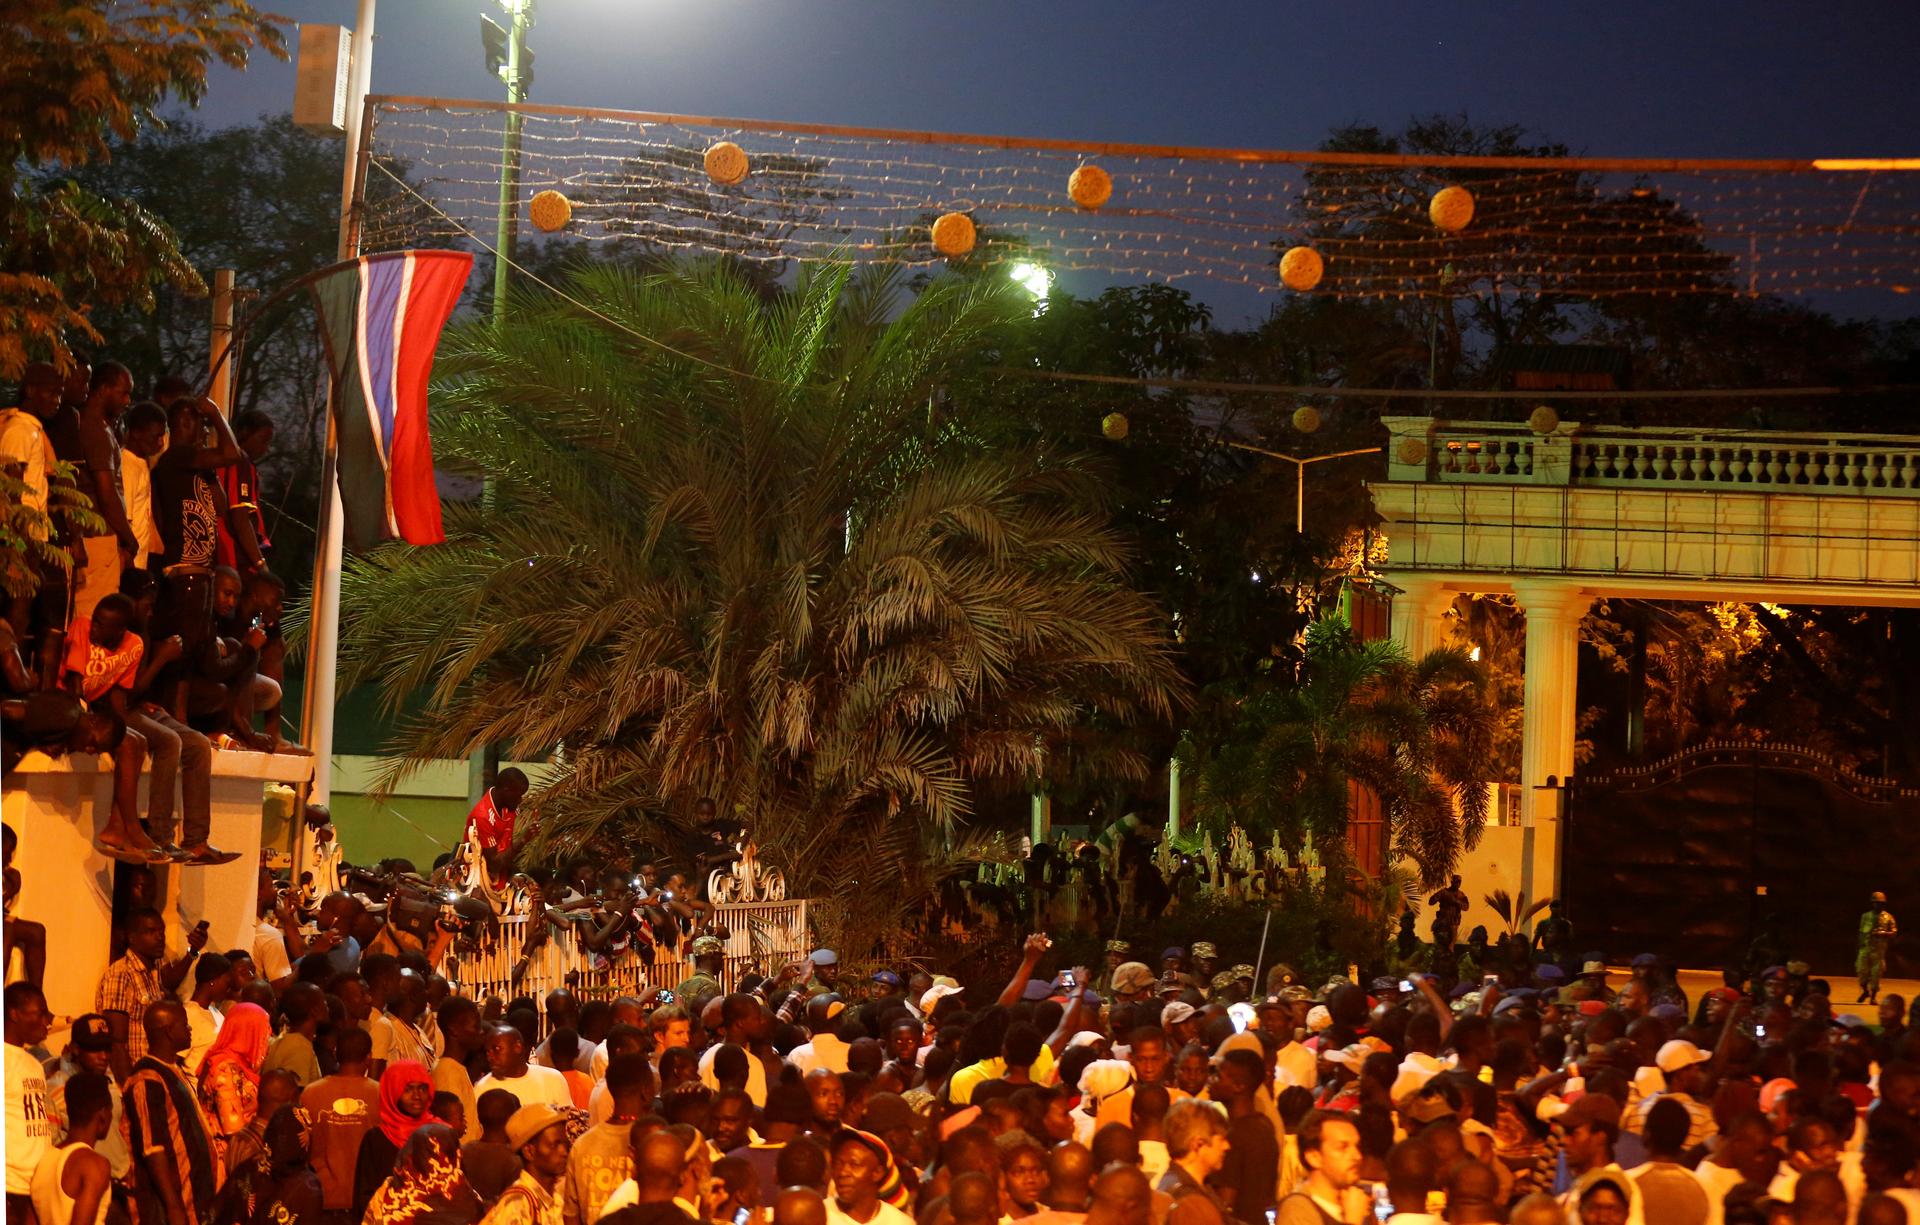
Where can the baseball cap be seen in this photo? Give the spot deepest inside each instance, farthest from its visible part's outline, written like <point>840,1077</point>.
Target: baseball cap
<point>1117,946</point>
<point>1203,948</point>
<point>706,946</point>
<point>1242,972</point>
<point>529,1121</point>
<point>90,1033</point>
<point>1550,975</point>
<point>1173,950</point>
<point>1678,1054</point>
<point>1645,961</point>
<point>1037,989</point>
<point>1174,1013</point>
<point>824,957</point>
<point>934,994</point>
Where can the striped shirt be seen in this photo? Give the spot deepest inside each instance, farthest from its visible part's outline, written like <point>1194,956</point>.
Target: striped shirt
<point>128,986</point>
<point>163,1117</point>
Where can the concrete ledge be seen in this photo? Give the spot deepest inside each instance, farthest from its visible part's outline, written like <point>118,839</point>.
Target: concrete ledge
<point>58,807</point>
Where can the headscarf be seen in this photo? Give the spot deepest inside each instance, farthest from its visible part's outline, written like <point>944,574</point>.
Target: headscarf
<point>242,1041</point>
<point>427,1186</point>
<point>396,1124</point>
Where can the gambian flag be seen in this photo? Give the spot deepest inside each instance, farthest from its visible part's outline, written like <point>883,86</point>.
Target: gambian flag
<point>381,316</point>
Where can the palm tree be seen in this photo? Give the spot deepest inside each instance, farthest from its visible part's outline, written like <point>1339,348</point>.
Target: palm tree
<point>723,557</point>
<point>1415,732</point>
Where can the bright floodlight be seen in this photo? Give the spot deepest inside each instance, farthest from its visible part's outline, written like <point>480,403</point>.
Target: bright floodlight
<point>1033,278</point>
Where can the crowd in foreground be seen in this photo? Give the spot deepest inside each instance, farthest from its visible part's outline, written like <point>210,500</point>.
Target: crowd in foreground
<point>152,627</point>
<point>346,1080</point>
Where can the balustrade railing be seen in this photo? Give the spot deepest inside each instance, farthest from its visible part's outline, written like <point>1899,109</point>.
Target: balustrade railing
<point>1428,449</point>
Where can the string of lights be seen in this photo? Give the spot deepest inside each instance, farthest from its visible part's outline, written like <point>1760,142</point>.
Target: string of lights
<point>1347,226</point>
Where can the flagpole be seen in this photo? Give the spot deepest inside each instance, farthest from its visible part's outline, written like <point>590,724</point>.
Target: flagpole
<point>323,632</point>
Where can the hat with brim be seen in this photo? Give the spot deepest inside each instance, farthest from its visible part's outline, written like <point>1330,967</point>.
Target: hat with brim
<point>1678,1054</point>
<point>1037,989</point>
<point>1590,968</point>
<point>529,1121</point>
<point>934,994</point>
<point>1131,978</point>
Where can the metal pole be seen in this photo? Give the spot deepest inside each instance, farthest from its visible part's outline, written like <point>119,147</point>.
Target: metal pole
<point>1299,497</point>
<point>316,716</point>
<point>484,766</point>
<point>221,391</point>
<point>509,219</point>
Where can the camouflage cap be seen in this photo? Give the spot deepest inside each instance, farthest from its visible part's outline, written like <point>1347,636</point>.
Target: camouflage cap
<point>707,946</point>
<point>1117,946</point>
<point>1242,972</point>
<point>1202,950</point>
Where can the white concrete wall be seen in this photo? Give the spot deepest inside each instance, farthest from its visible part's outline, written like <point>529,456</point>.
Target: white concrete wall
<point>58,807</point>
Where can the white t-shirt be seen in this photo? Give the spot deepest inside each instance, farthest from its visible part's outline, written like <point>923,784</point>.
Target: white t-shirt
<point>537,1085</point>
<point>888,1215</point>
<point>1716,1180</point>
<point>756,1075</point>
<point>136,492</point>
<point>204,1024</point>
<point>29,1125</point>
<point>270,952</point>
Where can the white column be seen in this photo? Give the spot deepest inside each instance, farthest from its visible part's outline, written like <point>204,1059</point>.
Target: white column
<point>1417,612</point>
<point>1553,611</point>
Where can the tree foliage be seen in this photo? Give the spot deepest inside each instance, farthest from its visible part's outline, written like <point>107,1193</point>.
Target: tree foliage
<point>76,75</point>
<point>743,569</point>
<point>1414,732</point>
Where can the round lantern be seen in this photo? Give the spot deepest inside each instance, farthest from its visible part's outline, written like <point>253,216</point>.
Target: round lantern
<point>1090,187</point>
<point>726,163</point>
<point>1301,268</point>
<point>550,211</point>
<point>953,234</point>
<point>1543,420</point>
<point>1306,418</point>
<point>1411,451</point>
<point>1451,208</point>
<point>1114,426</point>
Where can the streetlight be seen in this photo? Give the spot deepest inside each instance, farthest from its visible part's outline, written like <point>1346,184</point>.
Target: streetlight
<point>1300,475</point>
<point>1036,279</point>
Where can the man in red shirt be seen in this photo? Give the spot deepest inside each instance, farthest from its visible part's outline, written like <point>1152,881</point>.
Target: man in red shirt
<point>490,824</point>
<point>242,541</point>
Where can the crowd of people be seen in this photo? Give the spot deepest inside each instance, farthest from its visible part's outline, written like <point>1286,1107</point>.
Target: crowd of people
<point>337,1075</point>
<point>159,639</point>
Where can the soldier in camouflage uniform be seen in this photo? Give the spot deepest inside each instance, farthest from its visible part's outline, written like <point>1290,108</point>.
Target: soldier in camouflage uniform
<point>1877,930</point>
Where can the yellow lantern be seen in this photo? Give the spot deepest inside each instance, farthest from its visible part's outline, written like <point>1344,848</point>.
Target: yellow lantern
<point>726,163</point>
<point>549,211</point>
<point>1451,209</point>
<point>1543,420</point>
<point>1114,426</point>
<point>953,235</point>
<point>1301,268</point>
<point>1090,187</point>
<point>1306,418</point>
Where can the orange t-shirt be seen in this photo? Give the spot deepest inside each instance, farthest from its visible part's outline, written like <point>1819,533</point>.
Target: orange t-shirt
<point>101,669</point>
<point>582,1086</point>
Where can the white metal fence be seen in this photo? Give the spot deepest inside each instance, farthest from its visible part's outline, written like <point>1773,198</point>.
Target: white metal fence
<point>762,936</point>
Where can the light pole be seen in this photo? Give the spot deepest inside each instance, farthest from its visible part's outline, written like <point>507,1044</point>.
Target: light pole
<point>508,58</point>
<point>1300,475</point>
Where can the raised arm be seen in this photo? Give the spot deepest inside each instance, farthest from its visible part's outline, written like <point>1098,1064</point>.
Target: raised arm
<point>1030,954</point>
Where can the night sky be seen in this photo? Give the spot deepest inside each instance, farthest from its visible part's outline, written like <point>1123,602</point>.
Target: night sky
<point>1626,79</point>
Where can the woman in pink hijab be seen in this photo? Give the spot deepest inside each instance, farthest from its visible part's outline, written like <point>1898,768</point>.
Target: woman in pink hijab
<point>230,1074</point>
<point>405,1093</point>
